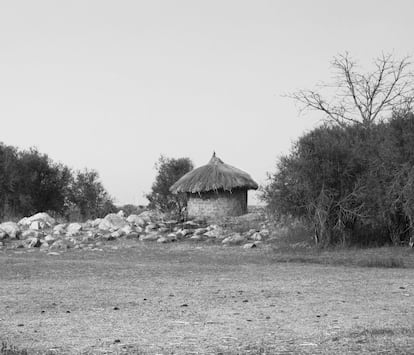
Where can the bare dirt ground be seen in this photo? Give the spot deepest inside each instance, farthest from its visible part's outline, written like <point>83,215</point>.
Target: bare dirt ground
<point>192,299</point>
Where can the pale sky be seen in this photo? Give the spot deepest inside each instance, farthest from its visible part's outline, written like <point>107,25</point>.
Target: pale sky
<point>112,85</point>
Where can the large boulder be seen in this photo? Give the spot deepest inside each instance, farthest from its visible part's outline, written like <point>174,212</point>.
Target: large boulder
<point>33,242</point>
<point>73,229</point>
<point>112,221</point>
<point>10,229</point>
<point>42,217</point>
<point>136,220</point>
<point>28,233</point>
<point>59,229</point>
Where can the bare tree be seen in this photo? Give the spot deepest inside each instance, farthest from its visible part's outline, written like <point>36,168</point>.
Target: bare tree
<point>362,98</point>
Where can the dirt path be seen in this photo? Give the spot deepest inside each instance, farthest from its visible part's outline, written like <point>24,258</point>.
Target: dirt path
<point>169,299</point>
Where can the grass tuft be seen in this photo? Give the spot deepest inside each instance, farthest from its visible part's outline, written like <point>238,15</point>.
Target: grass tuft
<point>9,349</point>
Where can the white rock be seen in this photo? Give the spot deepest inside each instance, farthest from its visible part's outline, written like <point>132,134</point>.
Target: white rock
<point>33,243</point>
<point>200,231</point>
<point>95,222</point>
<point>117,234</point>
<point>256,236</point>
<point>37,225</point>
<point>196,237</point>
<point>215,233</point>
<point>233,239</point>
<point>112,221</point>
<point>73,229</point>
<point>53,253</point>
<point>149,237</point>
<point>29,233</point>
<point>136,220</point>
<point>42,217</point>
<point>121,214</point>
<point>163,240</point>
<point>11,229</point>
<point>126,230</point>
<point>49,239</point>
<point>59,228</point>
<point>264,233</point>
<point>249,246</point>
<point>59,245</point>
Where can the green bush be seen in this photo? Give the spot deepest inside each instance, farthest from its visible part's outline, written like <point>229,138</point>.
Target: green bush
<point>353,185</point>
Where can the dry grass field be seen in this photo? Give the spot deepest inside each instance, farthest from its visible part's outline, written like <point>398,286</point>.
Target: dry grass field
<point>201,299</point>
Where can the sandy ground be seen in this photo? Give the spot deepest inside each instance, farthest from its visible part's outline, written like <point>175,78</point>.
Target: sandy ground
<point>183,299</point>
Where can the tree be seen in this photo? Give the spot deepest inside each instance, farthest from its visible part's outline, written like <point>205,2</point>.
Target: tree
<point>352,185</point>
<point>169,170</point>
<point>42,184</point>
<point>362,98</point>
<point>89,196</point>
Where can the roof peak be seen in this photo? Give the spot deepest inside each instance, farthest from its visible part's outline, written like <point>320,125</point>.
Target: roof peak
<point>215,160</point>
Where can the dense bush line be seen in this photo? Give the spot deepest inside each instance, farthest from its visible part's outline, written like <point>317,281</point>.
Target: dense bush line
<point>353,184</point>
<point>31,182</point>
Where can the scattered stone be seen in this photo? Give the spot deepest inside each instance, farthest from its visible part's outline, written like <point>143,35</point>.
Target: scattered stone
<point>126,230</point>
<point>59,228</point>
<point>121,214</point>
<point>190,225</point>
<point>136,220</point>
<point>73,229</point>
<point>149,237</point>
<point>133,235</point>
<point>37,225</point>
<point>236,238</point>
<point>200,231</point>
<point>117,234</point>
<point>53,253</point>
<point>196,237</point>
<point>151,227</point>
<point>256,236</point>
<point>249,246</point>
<point>108,237</point>
<point>184,232</point>
<point>44,246</point>
<point>41,216</point>
<point>49,239</point>
<point>33,243</point>
<point>112,221</point>
<point>95,223</point>
<point>163,240</point>
<point>264,233</point>
<point>58,245</point>
<point>10,229</point>
<point>215,233</point>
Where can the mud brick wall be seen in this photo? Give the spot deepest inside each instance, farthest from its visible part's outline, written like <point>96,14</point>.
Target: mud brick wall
<point>217,204</point>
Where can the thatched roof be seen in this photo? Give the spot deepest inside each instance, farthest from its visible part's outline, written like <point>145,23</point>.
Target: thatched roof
<point>213,176</point>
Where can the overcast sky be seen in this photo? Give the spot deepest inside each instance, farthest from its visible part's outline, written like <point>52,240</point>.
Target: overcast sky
<point>112,85</point>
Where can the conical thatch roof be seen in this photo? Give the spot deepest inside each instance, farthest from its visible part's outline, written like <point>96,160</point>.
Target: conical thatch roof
<point>213,176</point>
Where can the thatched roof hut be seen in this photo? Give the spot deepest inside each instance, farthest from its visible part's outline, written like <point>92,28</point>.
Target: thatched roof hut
<point>215,189</point>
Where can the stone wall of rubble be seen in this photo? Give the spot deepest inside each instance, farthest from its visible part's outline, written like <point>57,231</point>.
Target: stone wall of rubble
<point>43,232</point>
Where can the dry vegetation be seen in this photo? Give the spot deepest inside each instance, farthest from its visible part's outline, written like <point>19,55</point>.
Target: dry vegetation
<point>193,298</point>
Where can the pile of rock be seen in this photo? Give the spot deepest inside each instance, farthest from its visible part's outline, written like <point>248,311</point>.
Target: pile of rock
<point>41,231</point>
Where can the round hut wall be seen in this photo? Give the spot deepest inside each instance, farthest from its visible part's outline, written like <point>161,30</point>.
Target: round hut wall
<point>217,203</point>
